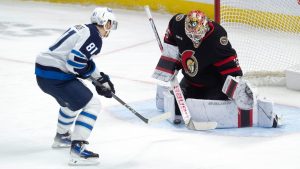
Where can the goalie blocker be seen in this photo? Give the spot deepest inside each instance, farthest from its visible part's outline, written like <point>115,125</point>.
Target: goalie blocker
<point>241,111</point>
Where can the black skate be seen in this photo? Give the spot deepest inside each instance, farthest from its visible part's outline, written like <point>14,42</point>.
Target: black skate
<point>62,140</point>
<point>81,156</point>
<point>277,122</point>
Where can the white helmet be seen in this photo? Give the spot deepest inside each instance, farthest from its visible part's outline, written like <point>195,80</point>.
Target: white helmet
<point>103,15</point>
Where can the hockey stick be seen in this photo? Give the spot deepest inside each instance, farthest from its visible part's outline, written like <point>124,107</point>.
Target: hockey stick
<point>178,92</point>
<point>154,119</point>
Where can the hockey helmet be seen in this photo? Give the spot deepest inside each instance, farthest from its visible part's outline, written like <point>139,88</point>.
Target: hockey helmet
<point>196,25</point>
<point>102,16</point>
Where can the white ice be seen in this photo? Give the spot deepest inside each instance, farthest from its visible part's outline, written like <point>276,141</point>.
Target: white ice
<point>129,55</point>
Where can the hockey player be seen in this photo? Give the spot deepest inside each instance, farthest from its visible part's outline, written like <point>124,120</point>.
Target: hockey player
<point>58,72</point>
<point>200,48</point>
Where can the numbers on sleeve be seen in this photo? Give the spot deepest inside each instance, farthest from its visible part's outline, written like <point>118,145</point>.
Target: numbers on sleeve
<point>91,48</point>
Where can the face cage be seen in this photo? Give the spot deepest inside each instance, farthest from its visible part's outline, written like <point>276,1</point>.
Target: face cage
<point>113,25</point>
<point>194,35</point>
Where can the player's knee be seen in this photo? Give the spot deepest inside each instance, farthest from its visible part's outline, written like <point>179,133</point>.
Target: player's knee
<point>68,112</point>
<point>93,106</point>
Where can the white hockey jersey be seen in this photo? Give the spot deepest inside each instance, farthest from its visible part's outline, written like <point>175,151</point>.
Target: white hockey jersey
<point>71,55</point>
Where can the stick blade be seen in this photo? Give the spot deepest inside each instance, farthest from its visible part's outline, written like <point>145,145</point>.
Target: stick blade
<point>202,126</point>
<point>159,118</point>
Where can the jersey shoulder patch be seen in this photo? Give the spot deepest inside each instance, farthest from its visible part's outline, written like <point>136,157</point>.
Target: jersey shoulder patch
<point>179,17</point>
<point>79,27</point>
<point>223,40</point>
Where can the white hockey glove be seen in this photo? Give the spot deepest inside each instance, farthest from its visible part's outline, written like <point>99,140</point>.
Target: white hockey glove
<point>168,64</point>
<point>239,91</point>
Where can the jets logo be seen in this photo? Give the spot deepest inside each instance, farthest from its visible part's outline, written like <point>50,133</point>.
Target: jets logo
<point>189,62</point>
<point>78,27</point>
<point>179,17</point>
<point>224,40</point>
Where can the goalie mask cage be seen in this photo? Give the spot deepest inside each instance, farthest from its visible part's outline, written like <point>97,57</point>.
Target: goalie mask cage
<point>265,34</point>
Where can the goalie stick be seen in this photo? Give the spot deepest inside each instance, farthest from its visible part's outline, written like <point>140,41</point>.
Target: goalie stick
<point>154,119</point>
<point>186,115</point>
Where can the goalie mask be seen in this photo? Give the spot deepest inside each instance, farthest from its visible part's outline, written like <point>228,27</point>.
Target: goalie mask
<point>104,16</point>
<point>196,26</point>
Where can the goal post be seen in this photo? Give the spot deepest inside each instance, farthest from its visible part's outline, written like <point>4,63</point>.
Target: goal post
<point>265,34</point>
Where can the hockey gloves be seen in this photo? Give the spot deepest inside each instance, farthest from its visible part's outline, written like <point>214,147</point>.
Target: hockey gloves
<point>104,87</point>
<point>239,91</point>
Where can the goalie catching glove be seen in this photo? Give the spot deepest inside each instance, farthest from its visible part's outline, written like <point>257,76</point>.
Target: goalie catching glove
<point>105,87</point>
<point>239,91</point>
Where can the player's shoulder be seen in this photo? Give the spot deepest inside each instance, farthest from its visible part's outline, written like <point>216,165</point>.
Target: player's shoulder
<point>218,29</point>
<point>92,28</point>
<point>176,23</point>
<point>87,31</point>
<point>177,18</point>
<point>79,28</point>
<point>85,28</point>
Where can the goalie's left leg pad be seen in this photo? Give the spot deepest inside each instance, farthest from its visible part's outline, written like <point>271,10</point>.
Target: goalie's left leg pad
<point>239,91</point>
<point>266,115</point>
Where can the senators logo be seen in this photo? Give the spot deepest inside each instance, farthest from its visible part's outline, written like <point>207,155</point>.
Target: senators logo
<point>179,17</point>
<point>189,62</point>
<point>224,40</point>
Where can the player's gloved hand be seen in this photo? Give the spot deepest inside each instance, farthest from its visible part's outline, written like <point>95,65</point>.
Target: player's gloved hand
<point>240,91</point>
<point>105,87</point>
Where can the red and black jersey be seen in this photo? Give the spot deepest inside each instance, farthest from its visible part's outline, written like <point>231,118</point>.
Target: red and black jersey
<point>209,63</point>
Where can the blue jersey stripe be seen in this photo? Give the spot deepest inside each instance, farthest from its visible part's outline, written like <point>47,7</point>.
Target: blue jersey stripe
<point>78,53</point>
<point>74,64</point>
<point>53,74</point>
<point>79,59</point>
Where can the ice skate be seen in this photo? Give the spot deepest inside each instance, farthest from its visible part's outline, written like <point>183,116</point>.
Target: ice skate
<point>277,122</point>
<point>81,156</point>
<point>177,120</point>
<point>62,140</point>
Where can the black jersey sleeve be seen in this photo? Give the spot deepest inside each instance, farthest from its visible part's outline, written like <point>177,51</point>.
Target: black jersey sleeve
<point>226,60</point>
<point>170,32</point>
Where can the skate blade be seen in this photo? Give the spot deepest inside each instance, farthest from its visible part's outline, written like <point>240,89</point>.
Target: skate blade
<point>57,145</point>
<point>82,162</point>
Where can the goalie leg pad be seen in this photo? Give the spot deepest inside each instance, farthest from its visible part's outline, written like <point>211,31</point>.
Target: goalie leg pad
<point>245,118</point>
<point>266,115</point>
<point>224,112</point>
<point>160,89</point>
<point>169,106</point>
<point>239,91</point>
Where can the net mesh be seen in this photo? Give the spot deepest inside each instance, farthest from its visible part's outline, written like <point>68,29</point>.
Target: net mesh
<point>265,34</point>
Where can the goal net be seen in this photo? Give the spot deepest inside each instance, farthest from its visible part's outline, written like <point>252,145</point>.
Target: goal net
<point>265,34</point>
